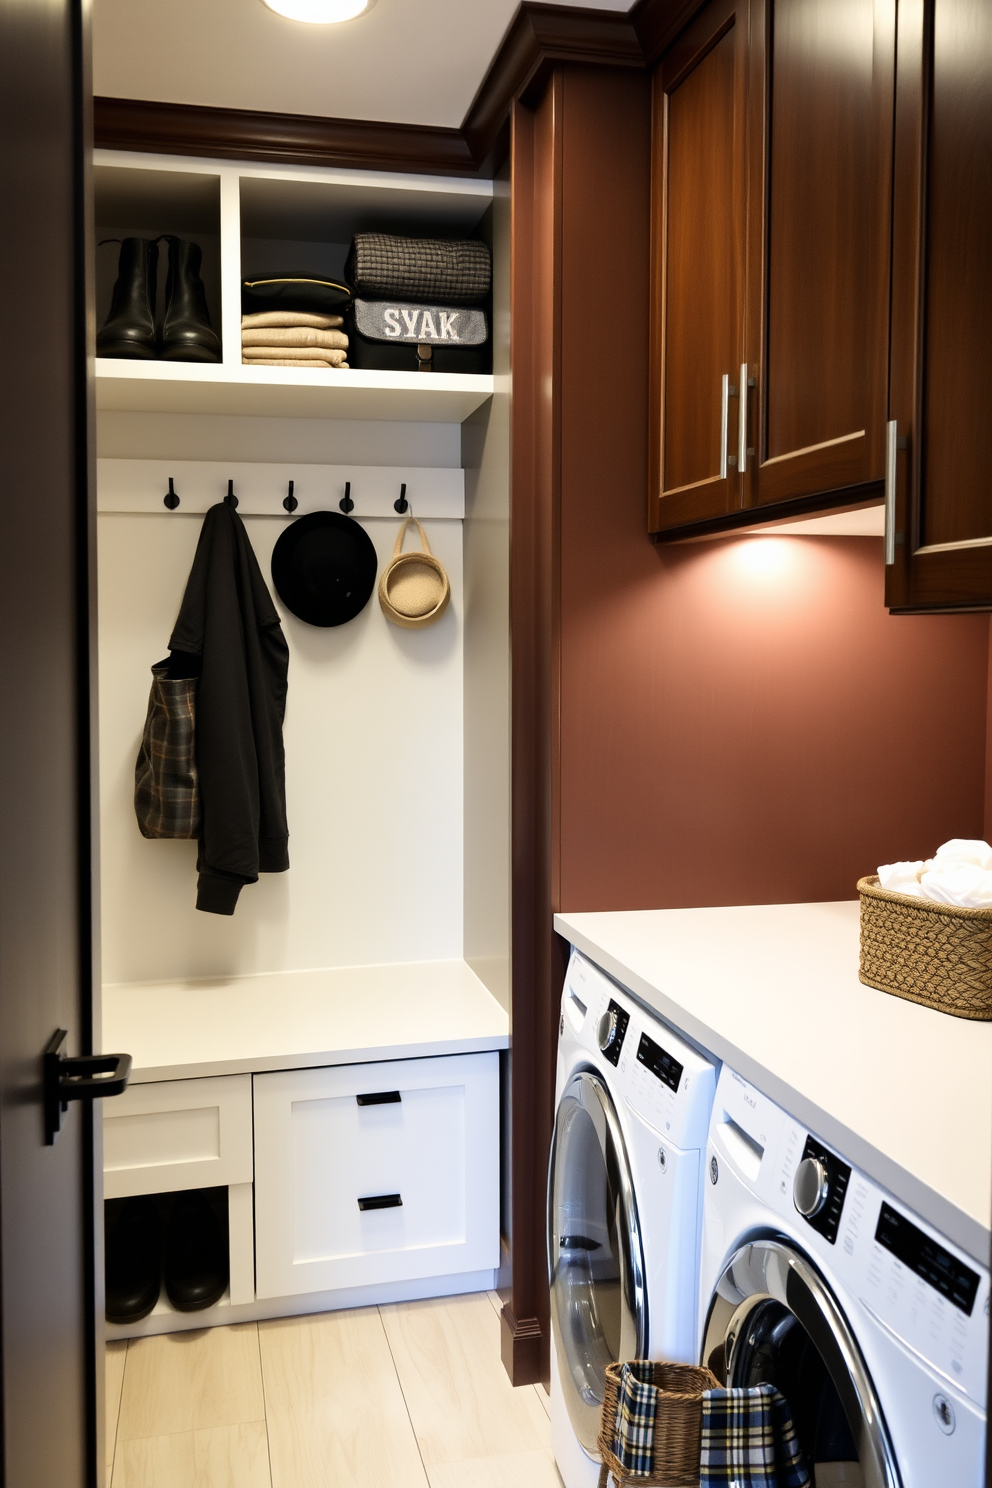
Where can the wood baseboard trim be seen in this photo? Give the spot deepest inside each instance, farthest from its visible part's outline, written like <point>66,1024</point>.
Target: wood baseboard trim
<point>521,1348</point>
<point>539,37</point>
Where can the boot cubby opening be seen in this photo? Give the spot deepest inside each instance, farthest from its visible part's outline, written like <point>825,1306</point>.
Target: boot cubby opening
<point>140,203</point>
<point>167,1253</point>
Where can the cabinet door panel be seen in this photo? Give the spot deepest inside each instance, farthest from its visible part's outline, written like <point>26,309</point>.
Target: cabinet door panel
<point>820,138</point>
<point>942,304</point>
<point>376,1173</point>
<point>697,267</point>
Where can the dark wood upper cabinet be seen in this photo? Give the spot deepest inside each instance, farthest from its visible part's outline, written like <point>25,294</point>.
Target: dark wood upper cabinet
<point>820,150</point>
<point>942,306</point>
<point>771,216</point>
<point>697,301</point>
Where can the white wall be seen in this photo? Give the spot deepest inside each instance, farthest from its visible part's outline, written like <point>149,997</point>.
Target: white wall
<point>373,742</point>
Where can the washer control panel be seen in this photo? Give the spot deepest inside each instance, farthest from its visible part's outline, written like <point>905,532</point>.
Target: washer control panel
<point>612,1031</point>
<point>659,1075</point>
<point>821,1206</point>
<point>910,1279</point>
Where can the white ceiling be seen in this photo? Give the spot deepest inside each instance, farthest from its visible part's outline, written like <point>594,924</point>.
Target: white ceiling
<point>405,61</point>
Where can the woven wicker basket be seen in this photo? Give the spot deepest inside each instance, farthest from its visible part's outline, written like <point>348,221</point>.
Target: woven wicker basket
<point>936,954</point>
<point>677,1427</point>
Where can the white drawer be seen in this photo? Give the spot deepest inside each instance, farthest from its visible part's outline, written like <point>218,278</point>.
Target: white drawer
<point>177,1134</point>
<point>350,1193</point>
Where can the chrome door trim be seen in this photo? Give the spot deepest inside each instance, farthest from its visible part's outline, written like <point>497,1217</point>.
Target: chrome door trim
<point>586,1081</point>
<point>771,1270</point>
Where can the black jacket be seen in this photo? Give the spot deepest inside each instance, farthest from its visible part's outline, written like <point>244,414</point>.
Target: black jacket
<point>229,622</point>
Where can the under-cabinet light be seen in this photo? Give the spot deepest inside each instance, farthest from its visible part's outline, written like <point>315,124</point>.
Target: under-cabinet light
<point>319,12</point>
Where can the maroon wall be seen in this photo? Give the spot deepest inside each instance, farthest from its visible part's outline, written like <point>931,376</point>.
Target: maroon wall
<point>743,722</point>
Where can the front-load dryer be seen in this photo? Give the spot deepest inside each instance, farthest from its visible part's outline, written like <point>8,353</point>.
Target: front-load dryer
<point>625,1182</point>
<point>816,1280</point>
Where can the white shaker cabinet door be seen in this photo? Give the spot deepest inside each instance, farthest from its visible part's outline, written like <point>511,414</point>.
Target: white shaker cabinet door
<point>374,1173</point>
<point>174,1134</point>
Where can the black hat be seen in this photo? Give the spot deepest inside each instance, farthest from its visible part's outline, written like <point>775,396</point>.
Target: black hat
<point>324,568</point>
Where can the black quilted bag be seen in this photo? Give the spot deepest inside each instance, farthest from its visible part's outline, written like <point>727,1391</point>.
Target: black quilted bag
<point>439,270</point>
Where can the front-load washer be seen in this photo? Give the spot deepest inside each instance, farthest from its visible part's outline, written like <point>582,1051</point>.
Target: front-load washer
<point>816,1280</point>
<point>625,1186</point>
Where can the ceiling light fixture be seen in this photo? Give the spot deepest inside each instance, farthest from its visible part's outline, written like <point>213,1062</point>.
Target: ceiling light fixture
<point>319,12</point>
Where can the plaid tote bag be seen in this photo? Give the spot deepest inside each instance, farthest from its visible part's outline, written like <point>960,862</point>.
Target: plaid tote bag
<point>166,786</point>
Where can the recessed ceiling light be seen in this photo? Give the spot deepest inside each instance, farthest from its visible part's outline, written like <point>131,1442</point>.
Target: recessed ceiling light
<point>319,12</point>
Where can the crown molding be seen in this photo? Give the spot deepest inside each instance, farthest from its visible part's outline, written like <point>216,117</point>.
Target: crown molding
<point>539,38</point>
<point>286,139</point>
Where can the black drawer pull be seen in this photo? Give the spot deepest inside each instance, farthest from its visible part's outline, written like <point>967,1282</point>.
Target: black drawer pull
<point>380,1098</point>
<point>381,1201</point>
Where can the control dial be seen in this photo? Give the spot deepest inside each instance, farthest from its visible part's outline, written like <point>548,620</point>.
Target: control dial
<point>608,1029</point>
<point>811,1188</point>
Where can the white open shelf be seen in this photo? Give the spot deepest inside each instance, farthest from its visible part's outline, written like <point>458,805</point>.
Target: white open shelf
<point>298,219</point>
<point>289,392</point>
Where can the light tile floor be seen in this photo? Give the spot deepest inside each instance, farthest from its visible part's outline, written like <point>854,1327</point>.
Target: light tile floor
<point>407,1396</point>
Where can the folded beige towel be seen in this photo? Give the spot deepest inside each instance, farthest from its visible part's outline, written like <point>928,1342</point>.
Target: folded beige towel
<point>298,353</point>
<point>278,361</point>
<point>291,318</point>
<point>295,336</point>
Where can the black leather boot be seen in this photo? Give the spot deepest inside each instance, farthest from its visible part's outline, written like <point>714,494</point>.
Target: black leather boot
<point>196,1255</point>
<point>129,330</point>
<point>187,335</point>
<point>134,1262</point>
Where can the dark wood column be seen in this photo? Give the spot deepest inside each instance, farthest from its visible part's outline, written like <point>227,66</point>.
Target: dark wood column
<point>579,298</point>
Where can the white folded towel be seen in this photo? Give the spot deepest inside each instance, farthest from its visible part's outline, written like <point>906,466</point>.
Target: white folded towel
<point>964,884</point>
<point>965,850</point>
<point>902,878</point>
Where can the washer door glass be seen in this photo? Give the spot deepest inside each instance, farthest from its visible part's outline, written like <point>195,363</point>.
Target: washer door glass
<point>773,1320</point>
<point>595,1255</point>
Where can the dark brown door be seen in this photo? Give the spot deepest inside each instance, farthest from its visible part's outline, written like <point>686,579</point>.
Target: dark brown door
<point>697,270</point>
<point>48,1338</point>
<point>819,141</point>
<point>942,306</point>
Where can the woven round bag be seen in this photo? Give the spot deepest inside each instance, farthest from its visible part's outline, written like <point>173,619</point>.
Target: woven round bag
<point>414,589</point>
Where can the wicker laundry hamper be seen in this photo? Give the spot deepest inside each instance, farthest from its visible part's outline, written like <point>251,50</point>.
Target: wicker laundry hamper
<point>414,588</point>
<point>936,954</point>
<point>677,1427</point>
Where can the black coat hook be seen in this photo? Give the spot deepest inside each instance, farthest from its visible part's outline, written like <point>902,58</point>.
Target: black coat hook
<point>290,502</point>
<point>346,504</point>
<point>402,504</point>
<point>170,499</point>
<point>230,498</point>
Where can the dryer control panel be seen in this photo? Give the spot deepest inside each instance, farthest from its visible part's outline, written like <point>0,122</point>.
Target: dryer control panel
<point>659,1075</point>
<point>921,1288</point>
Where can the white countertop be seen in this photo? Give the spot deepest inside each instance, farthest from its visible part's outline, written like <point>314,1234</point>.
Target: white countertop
<point>901,1091</point>
<point>298,1019</point>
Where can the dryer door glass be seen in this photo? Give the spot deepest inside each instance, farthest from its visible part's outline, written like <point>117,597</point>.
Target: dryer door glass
<point>773,1320</point>
<point>596,1259</point>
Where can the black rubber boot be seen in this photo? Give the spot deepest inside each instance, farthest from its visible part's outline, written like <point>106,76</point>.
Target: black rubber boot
<point>134,1262</point>
<point>187,335</point>
<point>196,1256</point>
<point>129,330</point>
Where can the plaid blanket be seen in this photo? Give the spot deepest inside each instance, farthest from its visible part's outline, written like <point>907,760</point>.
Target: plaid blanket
<point>748,1439</point>
<point>633,1433</point>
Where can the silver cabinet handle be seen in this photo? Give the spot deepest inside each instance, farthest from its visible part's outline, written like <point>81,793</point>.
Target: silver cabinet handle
<point>724,416</point>
<point>891,457</point>
<point>742,429</point>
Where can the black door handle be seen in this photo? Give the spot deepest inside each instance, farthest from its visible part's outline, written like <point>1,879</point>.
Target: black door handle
<point>85,1077</point>
<point>381,1201</point>
<point>380,1098</point>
